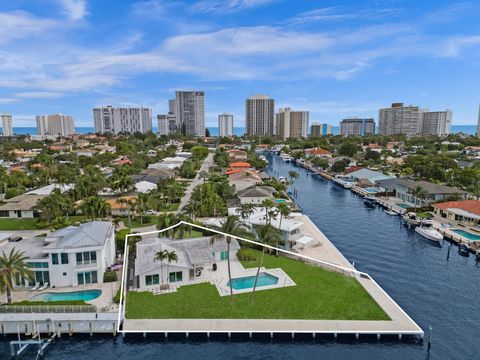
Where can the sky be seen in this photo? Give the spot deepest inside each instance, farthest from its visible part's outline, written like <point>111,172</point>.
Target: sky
<point>335,59</point>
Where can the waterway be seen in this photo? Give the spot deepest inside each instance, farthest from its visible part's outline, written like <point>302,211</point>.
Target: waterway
<point>434,291</point>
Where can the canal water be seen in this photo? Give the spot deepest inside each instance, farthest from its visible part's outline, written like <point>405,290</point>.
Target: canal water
<point>434,291</point>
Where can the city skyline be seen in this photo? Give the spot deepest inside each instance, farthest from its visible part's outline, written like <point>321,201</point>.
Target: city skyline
<point>280,48</point>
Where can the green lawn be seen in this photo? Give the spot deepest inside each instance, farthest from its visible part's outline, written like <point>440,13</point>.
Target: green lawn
<point>319,294</point>
<point>18,224</point>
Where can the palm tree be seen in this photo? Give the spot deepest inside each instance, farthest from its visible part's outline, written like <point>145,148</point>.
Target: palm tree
<point>284,210</point>
<point>293,175</point>
<point>13,266</point>
<point>94,207</point>
<point>232,226</point>
<point>161,256</point>
<point>170,257</point>
<point>418,193</point>
<point>245,210</point>
<point>267,235</point>
<point>267,204</point>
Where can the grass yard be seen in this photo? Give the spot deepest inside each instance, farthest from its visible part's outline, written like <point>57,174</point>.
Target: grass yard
<point>319,294</point>
<point>18,224</point>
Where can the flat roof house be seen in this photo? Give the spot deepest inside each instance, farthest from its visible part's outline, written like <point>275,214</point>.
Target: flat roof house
<point>71,256</point>
<point>435,192</point>
<point>196,259</point>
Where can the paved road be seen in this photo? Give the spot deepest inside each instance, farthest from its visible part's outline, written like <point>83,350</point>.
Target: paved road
<point>197,181</point>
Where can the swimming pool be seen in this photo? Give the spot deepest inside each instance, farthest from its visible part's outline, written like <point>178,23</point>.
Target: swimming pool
<point>279,201</point>
<point>264,279</point>
<point>86,295</point>
<point>371,190</point>
<point>403,205</point>
<point>467,234</point>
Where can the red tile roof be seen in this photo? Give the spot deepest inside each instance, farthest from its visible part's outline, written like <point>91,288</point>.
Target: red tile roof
<point>240,164</point>
<point>472,206</point>
<point>318,151</point>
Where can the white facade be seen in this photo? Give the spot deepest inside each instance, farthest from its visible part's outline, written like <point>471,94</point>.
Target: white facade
<point>122,120</point>
<point>7,125</point>
<point>225,125</point>
<point>190,112</point>
<point>291,124</point>
<point>259,115</point>
<point>167,124</point>
<point>56,124</point>
<point>436,123</point>
<point>357,127</point>
<point>400,119</point>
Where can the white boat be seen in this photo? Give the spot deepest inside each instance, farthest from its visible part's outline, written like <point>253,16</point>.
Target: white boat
<point>263,158</point>
<point>286,157</point>
<point>391,212</point>
<point>427,231</point>
<point>282,179</point>
<point>411,219</point>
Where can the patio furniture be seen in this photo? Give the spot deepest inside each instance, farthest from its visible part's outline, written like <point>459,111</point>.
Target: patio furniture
<point>37,284</point>
<point>45,285</point>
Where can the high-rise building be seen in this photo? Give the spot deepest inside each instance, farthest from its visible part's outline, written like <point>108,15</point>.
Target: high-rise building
<point>122,120</point>
<point>291,124</point>
<point>259,115</point>
<point>436,123</point>
<point>7,125</point>
<point>56,124</point>
<point>225,125</point>
<point>400,119</point>
<point>190,112</point>
<point>318,130</point>
<point>167,124</point>
<point>357,127</point>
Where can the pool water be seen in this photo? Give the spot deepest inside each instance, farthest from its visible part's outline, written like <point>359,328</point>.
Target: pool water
<point>371,190</point>
<point>86,295</point>
<point>279,201</point>
<point>264,279</point>
<point>467,234</point>
<point>403,205</point>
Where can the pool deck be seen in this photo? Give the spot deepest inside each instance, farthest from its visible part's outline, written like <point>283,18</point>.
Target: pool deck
<point>400,323</point>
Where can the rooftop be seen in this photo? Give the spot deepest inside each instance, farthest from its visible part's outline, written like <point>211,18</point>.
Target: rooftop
<point>470,206</point>
<point>90,234</point>
<point>257,191</point>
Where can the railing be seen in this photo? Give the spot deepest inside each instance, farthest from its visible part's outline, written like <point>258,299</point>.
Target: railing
<point>22,309</point>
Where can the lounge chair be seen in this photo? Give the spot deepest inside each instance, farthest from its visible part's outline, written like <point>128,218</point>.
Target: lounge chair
<point>45,285</point>
<point>37,284</point>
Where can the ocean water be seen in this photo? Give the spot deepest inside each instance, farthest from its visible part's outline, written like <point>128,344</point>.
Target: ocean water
<point>239,131</point>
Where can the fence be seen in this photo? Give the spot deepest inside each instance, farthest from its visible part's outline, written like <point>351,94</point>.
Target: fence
<point>28,309</point>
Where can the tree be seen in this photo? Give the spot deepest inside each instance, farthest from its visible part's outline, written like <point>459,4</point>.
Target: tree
<point>348,148</point>
<point>161,256</point>
<point>231,226</point>
<point>284,210</point>
<point>418,193</point>
<point>12,266</point>
<point>267,235</point>
<point>170,257</point>
<point>268,205</point>
<point>293,175</point>
<point>95,207</point>
<point>245,211</point>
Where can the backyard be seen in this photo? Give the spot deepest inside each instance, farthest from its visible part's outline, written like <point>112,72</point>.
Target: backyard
<point>319,294</point>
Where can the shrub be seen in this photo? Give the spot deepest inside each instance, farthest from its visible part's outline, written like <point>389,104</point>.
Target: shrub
<point>110,276</point>
<point>245,255</point>
<point>116,298</point>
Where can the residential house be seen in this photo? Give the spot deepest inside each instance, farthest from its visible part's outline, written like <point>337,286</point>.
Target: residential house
<point>244,179</point>
<point>153,175</point>
<point>367,174</point>
<point>466,212</point>
<point>168,163</point>
<point>255,194</point>
<point>197,258</point>
<point>434,192</point>
<point>236,155</point>
<point>118,208</point>
<point>318,152</point>
<point>72,256</point>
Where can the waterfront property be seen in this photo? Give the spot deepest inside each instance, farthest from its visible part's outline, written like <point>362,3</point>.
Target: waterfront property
<point>433,192</point>
<point>466,212</point>
<point>255,194</point>
<point>69,257</point>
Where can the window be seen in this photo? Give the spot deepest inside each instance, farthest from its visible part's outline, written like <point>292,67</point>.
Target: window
<point>224,255</point>
<point>152,279</point>
<point>89,277</point>
<point>64,258</point>
<point>38,265</point>
<point>55,259</point>
<point>87,257</point>
<point>175,276</point>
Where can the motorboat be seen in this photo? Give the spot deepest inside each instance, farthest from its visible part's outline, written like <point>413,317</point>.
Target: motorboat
<point>428,231</point>
<point>282,180</point>
<point>411,218</point>
<point>341,180</point>
<point>370,201</point>
<point>391,212</point>
<point>263,158</point>
<point>286,157</point>
<point>464,249</point>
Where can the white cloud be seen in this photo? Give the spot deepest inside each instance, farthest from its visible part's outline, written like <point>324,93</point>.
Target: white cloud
<point>20,24</point>
<point>38,94</point>
<point>227,6</point>
<point>74,9</point>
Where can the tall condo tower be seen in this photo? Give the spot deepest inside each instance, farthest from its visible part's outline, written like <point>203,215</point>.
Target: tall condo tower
<point>225,125</point>
<point>7,125</point>
<point>259,115</point>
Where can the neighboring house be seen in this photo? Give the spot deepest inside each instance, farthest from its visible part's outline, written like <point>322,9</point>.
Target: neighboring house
<point>119,209</point>
<point>466,211</point>
<point>244,179</point>
<point>122,160</point>
<point>434,192</point>
<point>72,256</point>
<point>236,155</point>
<point>168,163</point>
<point>255,194</point>
<point>144,186</point>
<point>153,175</point>
<point>318,152</point>
<point>23,206</point>
<point>196,258</point>
<point>351,161</point>
<point>367,174</point>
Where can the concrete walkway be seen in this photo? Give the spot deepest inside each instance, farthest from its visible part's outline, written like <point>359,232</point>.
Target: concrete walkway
<point>195,182</point>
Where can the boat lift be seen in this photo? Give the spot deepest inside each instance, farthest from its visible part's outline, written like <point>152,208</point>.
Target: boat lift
<point>17,347</point>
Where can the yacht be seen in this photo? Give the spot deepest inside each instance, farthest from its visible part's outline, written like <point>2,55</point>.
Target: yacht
<point>282,179</point>
<point>411,219</point>
<point>464,249</point>
<point>286,157</point>
<point>427,231</point>
<point>341,180</point>
<point>391,212</point>
<point>263,158</point>
<point>370,201</point>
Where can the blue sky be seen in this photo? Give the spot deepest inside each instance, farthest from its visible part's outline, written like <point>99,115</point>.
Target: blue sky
<point>333,58</point>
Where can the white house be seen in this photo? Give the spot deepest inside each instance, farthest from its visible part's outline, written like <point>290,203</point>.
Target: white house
<point>196,258</point>
<point>71,256</point>
<point>255,194</point>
